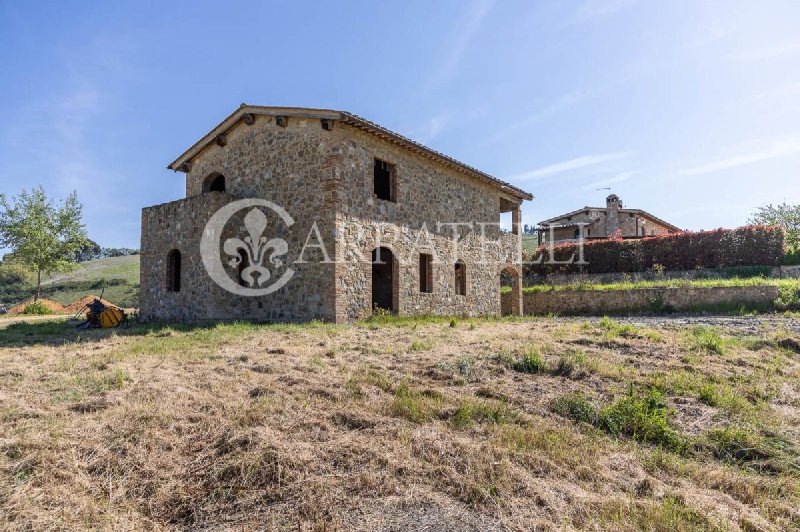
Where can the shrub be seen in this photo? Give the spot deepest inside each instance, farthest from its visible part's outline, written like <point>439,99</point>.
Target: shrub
<point>37,308</point>
<point>530,362</point>
<point>788,297</point>
<point>792,257</point>
<point>722,248</point>
<point>643,418</point>
<point>574,364</point>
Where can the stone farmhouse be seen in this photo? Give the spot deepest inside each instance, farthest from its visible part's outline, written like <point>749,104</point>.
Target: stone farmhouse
<point>599,223</point>
<point>373,220</point>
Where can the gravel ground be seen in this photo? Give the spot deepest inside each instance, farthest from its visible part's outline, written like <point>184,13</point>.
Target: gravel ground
<point>743,324</point>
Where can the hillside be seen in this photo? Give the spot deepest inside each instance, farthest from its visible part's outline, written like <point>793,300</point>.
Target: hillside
<point>119,276</point>
<point>400,424</point>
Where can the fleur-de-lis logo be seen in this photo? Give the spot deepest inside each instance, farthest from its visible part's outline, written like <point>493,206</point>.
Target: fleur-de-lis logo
<point>255,256</point>
<point>254,248</point>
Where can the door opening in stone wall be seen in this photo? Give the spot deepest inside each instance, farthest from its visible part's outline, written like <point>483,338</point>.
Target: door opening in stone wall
<point>510,292</point>
<point>384,280</point>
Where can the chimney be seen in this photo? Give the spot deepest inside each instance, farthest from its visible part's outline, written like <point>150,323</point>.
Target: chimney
<point>613,205</point>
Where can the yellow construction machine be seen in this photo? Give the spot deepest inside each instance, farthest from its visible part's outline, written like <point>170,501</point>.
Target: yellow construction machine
<point>99,315</point>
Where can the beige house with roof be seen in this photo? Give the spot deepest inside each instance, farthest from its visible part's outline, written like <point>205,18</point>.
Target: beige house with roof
<point>603,222</point>
<point>371,221</point>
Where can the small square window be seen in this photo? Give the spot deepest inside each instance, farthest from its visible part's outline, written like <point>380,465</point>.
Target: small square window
<point>384,180</point>
<point>425,273</point>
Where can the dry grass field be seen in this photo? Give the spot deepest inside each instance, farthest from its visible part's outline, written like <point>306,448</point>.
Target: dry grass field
<point>401,425</point>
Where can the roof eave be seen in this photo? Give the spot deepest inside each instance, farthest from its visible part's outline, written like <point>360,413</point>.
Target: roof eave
<point>347,118</point>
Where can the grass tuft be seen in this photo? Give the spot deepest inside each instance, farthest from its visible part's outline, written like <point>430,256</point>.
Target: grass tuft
<point>706,339</point>
<point>413,405</point>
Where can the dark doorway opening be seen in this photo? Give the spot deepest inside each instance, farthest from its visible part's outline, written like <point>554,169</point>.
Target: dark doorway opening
<point>384,271</point>
<point>174,271</point>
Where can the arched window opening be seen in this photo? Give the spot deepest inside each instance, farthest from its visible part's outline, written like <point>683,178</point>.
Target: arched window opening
<point>214,183</point>
<point>174,271</point>
<point>461,278</point>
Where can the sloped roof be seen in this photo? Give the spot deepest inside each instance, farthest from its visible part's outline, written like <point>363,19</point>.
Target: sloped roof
<point>640,212</point>
<point>352,120</point>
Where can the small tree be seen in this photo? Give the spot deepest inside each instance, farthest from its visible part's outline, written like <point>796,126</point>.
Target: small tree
<point>784,215</point>
<point>41,234</point>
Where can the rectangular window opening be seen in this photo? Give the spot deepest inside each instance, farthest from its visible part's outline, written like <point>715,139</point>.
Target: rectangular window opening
<point>384,176</point>
<point>425,273</point>
<point>461,279</point>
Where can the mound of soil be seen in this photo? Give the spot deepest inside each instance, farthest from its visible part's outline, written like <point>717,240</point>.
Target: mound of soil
<point>79,305</point>
<point>55,306</point>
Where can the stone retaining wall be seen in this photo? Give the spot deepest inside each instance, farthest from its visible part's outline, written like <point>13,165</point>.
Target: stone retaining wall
<point>777,272</point>
<point>598,302</point>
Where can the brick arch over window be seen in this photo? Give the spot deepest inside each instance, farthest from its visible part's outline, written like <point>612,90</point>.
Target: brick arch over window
<point>215,182</point>
<point>174,271</point>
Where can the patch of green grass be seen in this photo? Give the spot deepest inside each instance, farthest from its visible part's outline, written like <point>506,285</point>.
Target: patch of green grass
<point>420,345</point>
<point>706,339</point>
<point>708,394</point>
<point>471,411</point>
<point>93,383</point>
<point>664,283</point>
<point>612,329</point>
<point>575,406</point>
<point>639,416</point>
<point>677,382</point>
<point>668,514</point>
<point>530,362</point>
<point>413,405</point>
<point>643,418</point>
<point>575,364</point>
<point>748,448</point>
<point>369,377</point>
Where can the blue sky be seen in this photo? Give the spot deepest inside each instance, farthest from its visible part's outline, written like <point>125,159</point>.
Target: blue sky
<point>688,109</point>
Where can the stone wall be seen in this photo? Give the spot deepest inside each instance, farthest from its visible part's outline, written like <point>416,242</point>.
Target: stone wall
<point>599,302</point>
<point>777,272</point>
<point>283,165</point>
<point>427,193</point>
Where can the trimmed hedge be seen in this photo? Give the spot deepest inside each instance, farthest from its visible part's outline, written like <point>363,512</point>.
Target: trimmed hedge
<point>753,245</point>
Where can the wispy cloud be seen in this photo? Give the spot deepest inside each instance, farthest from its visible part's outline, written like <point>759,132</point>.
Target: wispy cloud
<point>771,149</point>
<point>770,51</point>
<point>431,127</point>
<point>567,101</point>
<point>783,93</point>
<point>568,166</point>
<point>458,41</point>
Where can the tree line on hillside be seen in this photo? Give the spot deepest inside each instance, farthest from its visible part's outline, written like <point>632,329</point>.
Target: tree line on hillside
<point>92,250</point>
